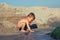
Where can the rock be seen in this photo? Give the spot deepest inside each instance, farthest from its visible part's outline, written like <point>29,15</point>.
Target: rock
<point>56,33</point>
<point>8,27</point>
<point>8,24</point>
<point>46,18</point>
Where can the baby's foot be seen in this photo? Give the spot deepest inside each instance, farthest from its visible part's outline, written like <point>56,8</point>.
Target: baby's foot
<point>31,31</point>
<point>23,31</point>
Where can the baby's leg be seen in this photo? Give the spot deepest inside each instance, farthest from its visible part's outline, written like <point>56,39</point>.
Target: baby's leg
<point>23,28</point>
<point>20,28</point>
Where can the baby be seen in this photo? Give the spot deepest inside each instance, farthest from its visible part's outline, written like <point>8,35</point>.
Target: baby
<point>26,21</point>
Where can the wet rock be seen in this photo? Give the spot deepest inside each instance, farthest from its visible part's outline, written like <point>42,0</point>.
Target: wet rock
<point>56,33</point>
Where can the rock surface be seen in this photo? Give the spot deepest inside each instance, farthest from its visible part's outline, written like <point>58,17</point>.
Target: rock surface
<point>46,18</point>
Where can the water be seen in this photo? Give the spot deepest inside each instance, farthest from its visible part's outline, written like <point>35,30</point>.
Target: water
<point>39,35</point>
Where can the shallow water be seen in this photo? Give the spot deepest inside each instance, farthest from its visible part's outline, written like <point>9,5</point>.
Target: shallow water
<point>27,36</point>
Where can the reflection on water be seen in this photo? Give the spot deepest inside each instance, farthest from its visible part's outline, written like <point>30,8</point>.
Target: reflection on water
<point>27,36</point>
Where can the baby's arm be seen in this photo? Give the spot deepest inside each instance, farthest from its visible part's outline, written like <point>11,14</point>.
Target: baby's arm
<point>28,26</point>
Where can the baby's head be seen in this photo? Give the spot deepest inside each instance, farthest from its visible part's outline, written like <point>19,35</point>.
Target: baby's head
<point>31,16</point>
